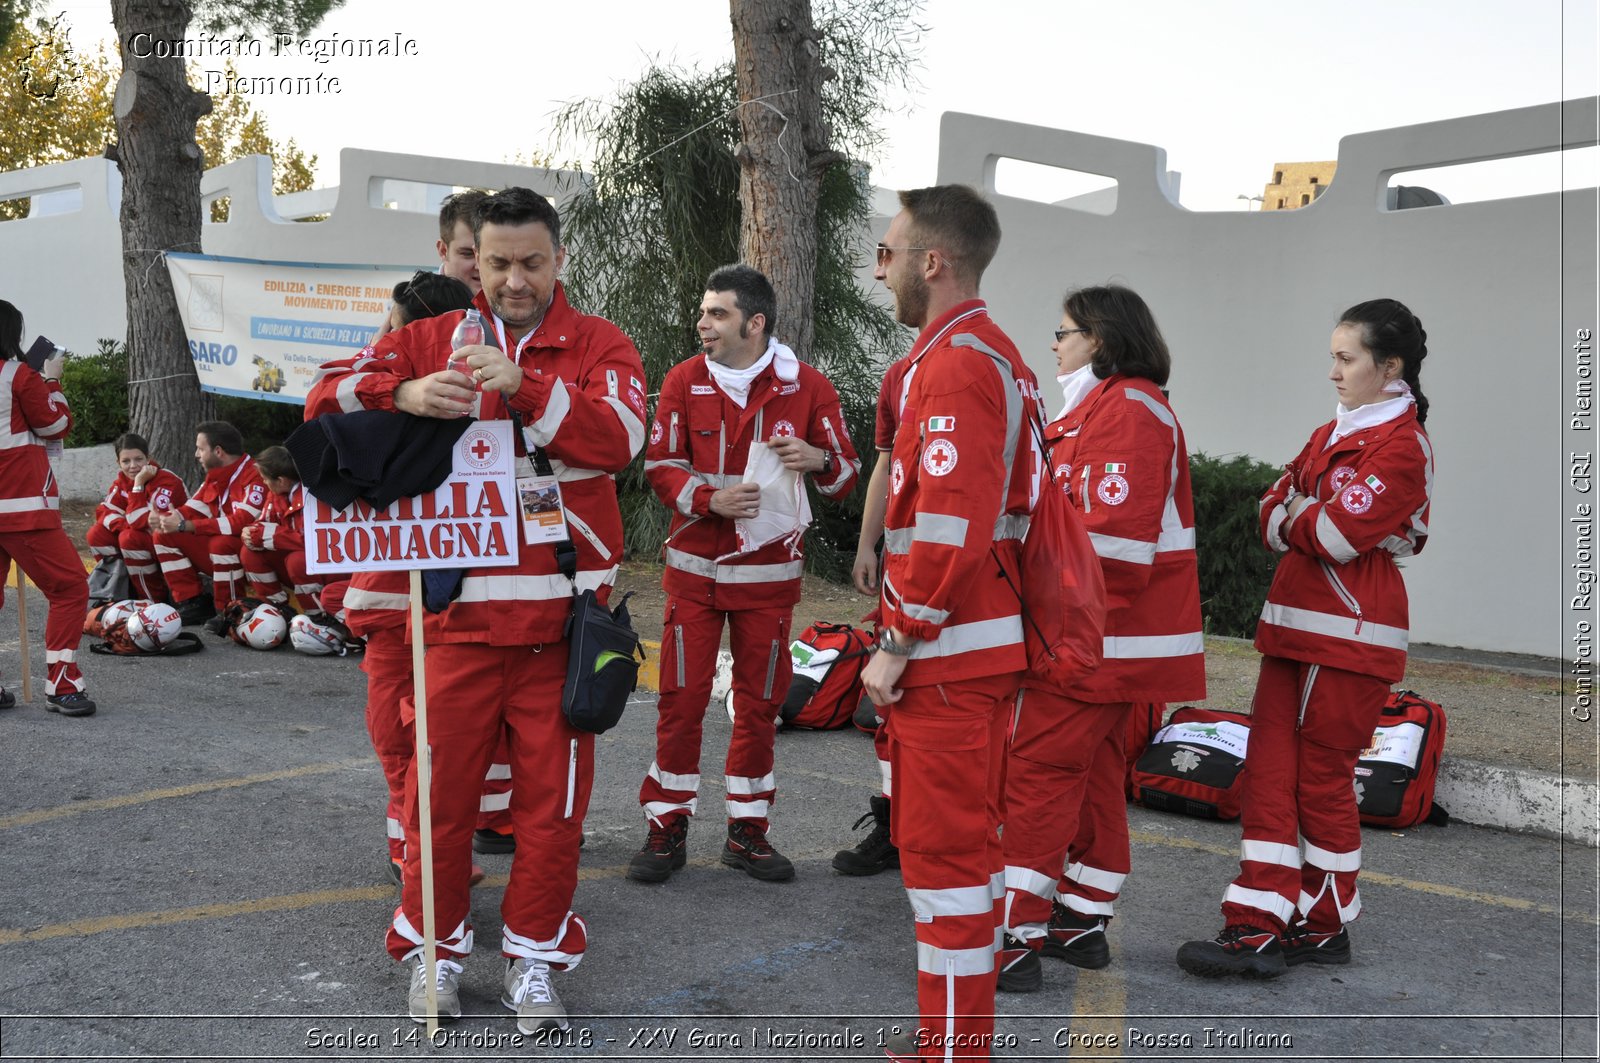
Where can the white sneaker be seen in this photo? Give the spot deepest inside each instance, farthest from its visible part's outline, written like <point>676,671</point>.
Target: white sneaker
<point>447,990</point>
<point>530,994</point>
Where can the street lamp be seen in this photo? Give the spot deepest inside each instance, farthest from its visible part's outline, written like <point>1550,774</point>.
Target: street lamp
<point>1248,200</point>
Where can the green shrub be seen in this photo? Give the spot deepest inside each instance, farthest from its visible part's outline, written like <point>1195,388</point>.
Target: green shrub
<point>97,390</point>
<point>1235,568</point>
<point>262,423</point>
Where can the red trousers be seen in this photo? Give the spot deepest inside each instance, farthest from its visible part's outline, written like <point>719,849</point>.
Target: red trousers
<point>183,555</point>
<point>47,557</point>
<point>1064,803</point>
<point>387,662</point>
<point>268,570</point>
<point>494,803</point>
<point>947,745</point>
<point>691,634</point>
<point>1308,725</point>
<point>476,693</point>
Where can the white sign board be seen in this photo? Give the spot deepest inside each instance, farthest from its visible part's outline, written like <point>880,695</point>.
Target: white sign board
<point>473,520</point>
<point>1228,737</point>
<point>260,330</point>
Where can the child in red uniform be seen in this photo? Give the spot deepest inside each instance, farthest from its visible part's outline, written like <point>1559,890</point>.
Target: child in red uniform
<point>122,519</point>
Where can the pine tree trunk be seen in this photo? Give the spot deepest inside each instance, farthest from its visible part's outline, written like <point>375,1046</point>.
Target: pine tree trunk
<point>783,155</point>
<point>156,111</point>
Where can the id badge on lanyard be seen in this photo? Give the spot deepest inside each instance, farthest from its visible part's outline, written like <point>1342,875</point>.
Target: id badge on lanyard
<point>544,516</point>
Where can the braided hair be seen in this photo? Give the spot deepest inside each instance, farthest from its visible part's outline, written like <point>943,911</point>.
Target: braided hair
<point>1390,330</point>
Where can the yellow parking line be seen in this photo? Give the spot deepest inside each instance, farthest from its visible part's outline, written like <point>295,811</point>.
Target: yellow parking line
<point>1436,889</point>
<point>41,815</point>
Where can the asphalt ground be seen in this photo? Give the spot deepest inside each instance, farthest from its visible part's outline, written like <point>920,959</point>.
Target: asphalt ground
<point>197,872</point>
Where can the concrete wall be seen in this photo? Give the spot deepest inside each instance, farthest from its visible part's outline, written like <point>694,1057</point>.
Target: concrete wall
<point>63,263</point>
<point>1248,300</point>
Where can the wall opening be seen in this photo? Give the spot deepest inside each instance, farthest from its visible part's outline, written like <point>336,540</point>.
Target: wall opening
<point>1058,186</point>
<point>1525,175</point>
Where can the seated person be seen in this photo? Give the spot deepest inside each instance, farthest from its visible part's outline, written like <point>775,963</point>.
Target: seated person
<point>201,537</point>
<point>275,546</point>
<point>121,521</point>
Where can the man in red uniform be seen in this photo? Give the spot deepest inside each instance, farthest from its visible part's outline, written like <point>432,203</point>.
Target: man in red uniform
<point>122,520</point>
<point>951,651</point>
<point>275,546</point>
<point>202,535</point>
<point>876,852</point>
<point>715,414</point>
<point>499,653</point>
<point>32,410</point>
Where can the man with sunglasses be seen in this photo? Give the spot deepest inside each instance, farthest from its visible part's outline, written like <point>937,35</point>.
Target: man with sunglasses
<point>950,650</point>
<point>498,652</point>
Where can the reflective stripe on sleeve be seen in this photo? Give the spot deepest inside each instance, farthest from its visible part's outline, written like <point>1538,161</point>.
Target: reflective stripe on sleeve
<point>1333,540</point>
<point>555,411</point>
<point>965,638</point>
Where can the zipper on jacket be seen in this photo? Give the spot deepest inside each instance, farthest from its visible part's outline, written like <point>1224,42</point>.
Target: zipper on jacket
<point>588,533</point>
<point>1305,695</point>
<point>1345,596</point>
<point>827,426</point>
<point>672,434</point>
<point>572,778</point>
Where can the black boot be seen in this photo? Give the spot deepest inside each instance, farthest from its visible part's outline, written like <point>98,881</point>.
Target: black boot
<point>875,852</point>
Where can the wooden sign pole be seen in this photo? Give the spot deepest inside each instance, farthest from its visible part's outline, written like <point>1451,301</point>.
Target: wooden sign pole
<point>430,946</point>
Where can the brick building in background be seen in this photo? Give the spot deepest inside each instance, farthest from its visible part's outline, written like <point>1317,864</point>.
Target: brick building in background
<point>1296,184</point>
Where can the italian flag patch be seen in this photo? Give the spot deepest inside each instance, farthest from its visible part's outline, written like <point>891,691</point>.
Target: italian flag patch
<point>1377,485</point>
<point>1116,466</point>
<point>941,424</point>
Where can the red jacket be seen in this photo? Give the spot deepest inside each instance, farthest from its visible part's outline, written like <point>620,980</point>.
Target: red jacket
<point>127,507</point>
<point>1122,453</point>
<point>32,410</point>
<point>582,400</point>
<point>699,443</point>
<point>281,525</point>
<point>962,465</point>
<point>230,498</point>
<point>1338,597</point>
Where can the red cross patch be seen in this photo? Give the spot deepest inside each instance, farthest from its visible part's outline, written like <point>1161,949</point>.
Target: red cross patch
<point>1113,490</point>
<point>782,428</point>
<point>1357,498</point>
<point>940,457</point>
<point>897,476</point>
<point>655,433</point>
<point>480,448</point>
<point>1341,476</point>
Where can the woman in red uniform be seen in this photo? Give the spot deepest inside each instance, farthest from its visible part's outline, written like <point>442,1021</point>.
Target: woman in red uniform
<point>1333,636</point>
<point>32,410</point>
<point>1118,450</point>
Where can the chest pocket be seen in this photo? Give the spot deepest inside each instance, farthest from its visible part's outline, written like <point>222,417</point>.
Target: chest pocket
<point>704,415</point>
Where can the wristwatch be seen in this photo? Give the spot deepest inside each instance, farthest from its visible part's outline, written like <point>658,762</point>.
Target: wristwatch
<point>827,463</point>
<point>888,645</point>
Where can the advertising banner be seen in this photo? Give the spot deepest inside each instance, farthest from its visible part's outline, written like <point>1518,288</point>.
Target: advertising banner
<point>471,521</point>
<point>260,330</point>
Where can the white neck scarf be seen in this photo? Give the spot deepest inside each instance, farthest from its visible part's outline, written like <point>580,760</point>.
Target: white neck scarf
<point>735,383</point>
<point>1347,421</point>
<point>1075,386</point>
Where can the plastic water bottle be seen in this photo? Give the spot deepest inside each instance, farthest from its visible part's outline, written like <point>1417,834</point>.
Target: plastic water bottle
<point>469,332</point>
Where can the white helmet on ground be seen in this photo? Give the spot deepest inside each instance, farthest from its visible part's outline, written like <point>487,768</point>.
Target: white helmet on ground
<point>122,610</point>
<point>262,628</point>
<point>319,640</point>
<point>154,626</point>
